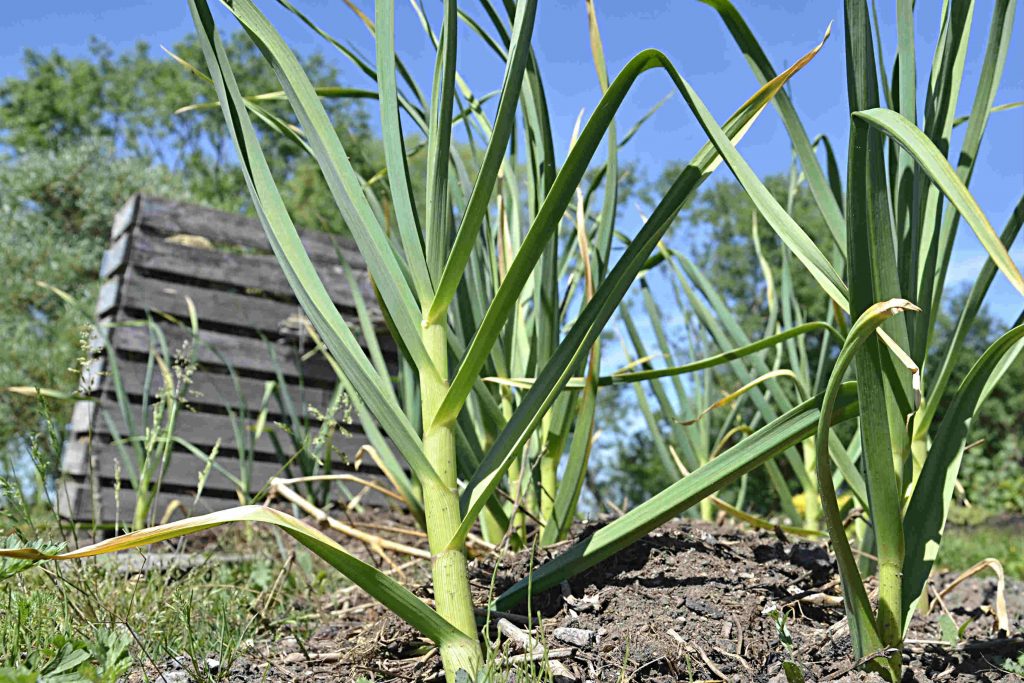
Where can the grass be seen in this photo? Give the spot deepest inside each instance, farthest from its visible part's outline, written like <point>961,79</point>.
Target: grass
<point>92,621</point>
<point>965,545</point>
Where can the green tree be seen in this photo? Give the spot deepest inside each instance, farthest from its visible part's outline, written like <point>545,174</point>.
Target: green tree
<point>131,99</point>
<point>55,209</point>
<point>721,215</point>
<point>992,472</point>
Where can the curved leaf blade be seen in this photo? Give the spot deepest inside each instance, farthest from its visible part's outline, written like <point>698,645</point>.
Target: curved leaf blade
<point>935,165</point>
<point>930,502</point>
<point>382,587</point>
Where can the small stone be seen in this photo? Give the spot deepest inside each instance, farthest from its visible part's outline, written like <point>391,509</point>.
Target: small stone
<point>172,677</point>
<point>588,603</point>
<point>703,608</point>
<point>579,637</point>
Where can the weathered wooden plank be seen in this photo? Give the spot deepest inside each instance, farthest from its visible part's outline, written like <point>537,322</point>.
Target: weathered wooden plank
<point>249,313</point>
<point>202,430</point>
<point>243,272</point>
<point>206,390</point>
<point>115,256</point>
<point>75,501</point>
<point>166,218</point>
<point>125,217</point>
<point>244,354</point>
<point>184,470</point>
<point>223,308</point>
<point>107,298</point>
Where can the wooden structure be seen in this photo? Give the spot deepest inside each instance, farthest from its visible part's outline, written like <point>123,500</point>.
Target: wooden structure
<point>162,255</point>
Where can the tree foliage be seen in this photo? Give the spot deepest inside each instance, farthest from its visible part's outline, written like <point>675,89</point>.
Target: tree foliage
<point>992,474</point>
<point>131,100</point>
<point>55,209</point>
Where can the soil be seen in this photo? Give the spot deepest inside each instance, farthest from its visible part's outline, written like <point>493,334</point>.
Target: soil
<point>686,603</point>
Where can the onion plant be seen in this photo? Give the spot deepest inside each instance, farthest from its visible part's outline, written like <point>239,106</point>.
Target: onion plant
<point>468,280</point>
<point>761,378</point>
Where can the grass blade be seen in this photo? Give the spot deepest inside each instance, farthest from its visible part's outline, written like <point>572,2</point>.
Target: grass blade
<point>546,220</point>
<point>395,157</point>
<point>930,502</point>
<point>963,324</point>
<point>484,186</point>
<point>874,277</point>
<point>342,179</point>
<point>439,135</point>
<point>687,368</point>
<point>595,315</point>
<point>991,75</point>
<point>863,628</point>
<point>764,72</point>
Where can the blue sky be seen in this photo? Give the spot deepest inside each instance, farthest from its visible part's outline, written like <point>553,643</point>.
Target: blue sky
<point>689,32</point>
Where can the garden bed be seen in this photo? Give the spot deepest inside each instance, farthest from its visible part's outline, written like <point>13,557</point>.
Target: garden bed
<point>686,603</point>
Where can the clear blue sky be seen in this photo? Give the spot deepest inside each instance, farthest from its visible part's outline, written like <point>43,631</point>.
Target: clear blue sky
<point>691,35</point>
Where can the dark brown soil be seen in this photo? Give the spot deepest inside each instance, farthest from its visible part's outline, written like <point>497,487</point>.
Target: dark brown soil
<point>686,603</point>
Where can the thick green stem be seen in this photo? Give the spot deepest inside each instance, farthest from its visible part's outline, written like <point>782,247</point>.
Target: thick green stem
<point>548,484</point>
<point>519,488</point>
<point>441,505</point>
<point>707,510</point>
<point>889,527</point>
<point>143,498</point>
<point>812,510</point>
<point>918,453</point>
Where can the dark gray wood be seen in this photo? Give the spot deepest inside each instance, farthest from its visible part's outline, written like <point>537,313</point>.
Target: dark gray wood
<point>74,501</point>
<point>244,354</point>
<point>254,314</point>
<point>254,273</point>
<point>184,470</point>
<point>224,308</point>
<point>202,430</point>
<point>207,390</point>
<point>164,217</point>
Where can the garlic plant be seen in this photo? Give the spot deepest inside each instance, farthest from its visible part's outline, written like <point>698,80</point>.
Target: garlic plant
<point>470,286</point>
